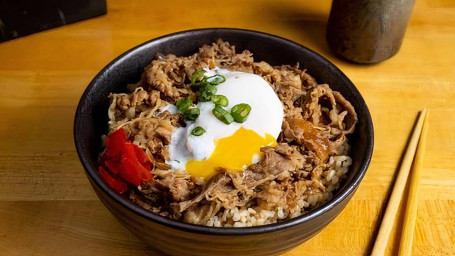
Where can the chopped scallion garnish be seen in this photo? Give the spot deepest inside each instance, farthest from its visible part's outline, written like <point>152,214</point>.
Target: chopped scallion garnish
<point>184,104</point>
<point>215,79</point>
<point>198,131</point>
<point>191,114</point>
<point>220,100</point>
<point>240,112</point>
<point>222,115</point>
<point>197,76</point>
<point>206,92</point>
<point>199,81</point>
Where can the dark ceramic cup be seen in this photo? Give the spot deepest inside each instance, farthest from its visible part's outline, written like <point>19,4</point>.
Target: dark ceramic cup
<point>365,31</point>
<point>177,238</point>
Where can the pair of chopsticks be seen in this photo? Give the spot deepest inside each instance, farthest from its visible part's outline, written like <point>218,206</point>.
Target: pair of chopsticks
<point>416,144</point>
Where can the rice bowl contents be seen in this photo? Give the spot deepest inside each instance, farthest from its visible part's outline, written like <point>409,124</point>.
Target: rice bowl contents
<point>229,142</point>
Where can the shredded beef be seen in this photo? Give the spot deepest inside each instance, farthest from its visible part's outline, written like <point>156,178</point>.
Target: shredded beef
<point>316,123</point>
<point>305,134</point>
<point>330,110</point>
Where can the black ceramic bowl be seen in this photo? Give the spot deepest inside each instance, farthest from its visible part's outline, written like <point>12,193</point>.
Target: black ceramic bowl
<point>177,238</point>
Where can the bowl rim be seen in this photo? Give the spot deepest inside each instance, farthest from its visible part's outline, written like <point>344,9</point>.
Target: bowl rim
<point>224,231</point>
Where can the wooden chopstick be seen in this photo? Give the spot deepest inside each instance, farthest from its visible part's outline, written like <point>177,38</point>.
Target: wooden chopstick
<point>411,206</point>
<point>397,192</point>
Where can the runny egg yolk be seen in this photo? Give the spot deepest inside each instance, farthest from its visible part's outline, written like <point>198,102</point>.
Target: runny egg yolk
<point>231,152</point>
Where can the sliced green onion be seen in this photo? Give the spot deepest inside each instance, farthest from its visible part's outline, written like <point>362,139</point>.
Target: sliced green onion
<point>204,96</point>
<point>240,112</point>
<point>197,76</point>
<point>211,88</point>
<point>220,100</point>
<point>195,87</point>
<point>206,92</point>
<point>215,79</point>
<point>191,114</point>
<point>184,104</point>
<point>198,80</point>
<point>222,115</point>
<point>198,131</point>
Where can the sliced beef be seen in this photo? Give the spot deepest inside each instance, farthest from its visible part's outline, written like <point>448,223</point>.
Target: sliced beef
<point>139,103</point>
<point>304,133</point>
<point>317,120</point>
<point>328,109</point>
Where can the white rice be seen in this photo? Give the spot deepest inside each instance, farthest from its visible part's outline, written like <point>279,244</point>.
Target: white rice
<point>255,216</point>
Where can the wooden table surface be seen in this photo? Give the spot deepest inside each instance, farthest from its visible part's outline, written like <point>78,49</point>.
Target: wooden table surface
<point>47,206</point>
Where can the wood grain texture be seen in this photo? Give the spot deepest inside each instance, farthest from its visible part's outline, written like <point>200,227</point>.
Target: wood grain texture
<point>399,185</point>
<point>48,208</point>
<point>407,234</point>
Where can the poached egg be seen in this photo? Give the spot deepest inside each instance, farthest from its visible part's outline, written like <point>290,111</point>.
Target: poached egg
<point>231,146</point>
